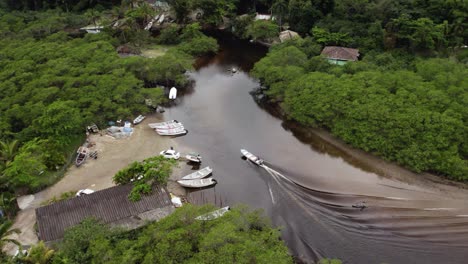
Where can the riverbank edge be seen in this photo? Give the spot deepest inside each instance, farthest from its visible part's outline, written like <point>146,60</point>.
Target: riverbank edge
<point>366,161</point>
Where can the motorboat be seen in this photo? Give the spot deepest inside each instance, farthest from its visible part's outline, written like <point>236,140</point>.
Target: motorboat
<point>194,157</point>
<point>197,183</point>
<point>252,157</point>
<point>200,174</point>
<point>213,215</point>
<point>171,126</point>
<point>163,124</point>
<point>138,119</point>
<point>82,155</point>
<point>172,132</point>
<point>170,154</point>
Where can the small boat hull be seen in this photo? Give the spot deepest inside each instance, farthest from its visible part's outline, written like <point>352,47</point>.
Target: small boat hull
<point>172,132</point>
<point>194,158</point>
<point>198,183</point>
<point>252,157</point>
<point>139,119</point>
<point>82,156</point>
<point>164,124</point>
<point>200,174</point>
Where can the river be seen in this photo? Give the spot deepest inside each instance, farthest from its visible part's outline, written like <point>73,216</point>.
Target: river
<point>310,186</point>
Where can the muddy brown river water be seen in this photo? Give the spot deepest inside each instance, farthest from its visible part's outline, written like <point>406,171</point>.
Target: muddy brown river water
<point>310,185</point>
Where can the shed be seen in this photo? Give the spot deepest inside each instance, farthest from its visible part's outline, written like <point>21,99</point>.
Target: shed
<point>111,206</point>
<point>340,55</point>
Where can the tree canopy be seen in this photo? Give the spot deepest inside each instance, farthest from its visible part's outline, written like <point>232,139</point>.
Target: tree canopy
<point>240,236</point>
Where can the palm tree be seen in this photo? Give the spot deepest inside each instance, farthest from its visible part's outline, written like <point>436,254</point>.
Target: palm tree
<point>6,201</point>
<point>39,254</point>
<point>279,8</point>
<point>8,150</point>
<point>5,231</point>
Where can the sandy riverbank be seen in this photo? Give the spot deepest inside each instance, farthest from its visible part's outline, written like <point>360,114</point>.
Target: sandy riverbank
<point>113,155</point>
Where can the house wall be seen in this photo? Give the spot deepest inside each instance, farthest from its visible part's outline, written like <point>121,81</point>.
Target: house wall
<point>337,62</point>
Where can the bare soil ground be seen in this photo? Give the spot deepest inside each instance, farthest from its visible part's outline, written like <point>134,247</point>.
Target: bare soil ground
<point>96,174</point>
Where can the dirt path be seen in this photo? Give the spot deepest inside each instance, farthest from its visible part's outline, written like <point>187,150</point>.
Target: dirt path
<point>113,155</point>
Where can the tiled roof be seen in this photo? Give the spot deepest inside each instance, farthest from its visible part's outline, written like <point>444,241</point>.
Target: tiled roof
<point>340,53</point>
<point>109,205</point>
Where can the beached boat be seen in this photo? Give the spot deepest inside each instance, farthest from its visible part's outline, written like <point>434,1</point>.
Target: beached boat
<point>252,157</point>
<point>171,126</point>
<point>172,132</point>
<point>197,183</point>
<point>82,155</point>
<point>163,124</point>
<point>213,215</point>
<point>138,119</point>
<point>200,174</point>
<point>194,157</point>
<point>173,93</point>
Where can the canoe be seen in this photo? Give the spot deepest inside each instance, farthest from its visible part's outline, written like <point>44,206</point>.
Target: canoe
<point>138,119</point>
<point>200,174</point>
<point>172,132</point>
<point>252,157</point>
<point>197,183</point>
<point>213,215</point>
<point>194,157</point>
<point>163,124</point>
<point>82,155</point>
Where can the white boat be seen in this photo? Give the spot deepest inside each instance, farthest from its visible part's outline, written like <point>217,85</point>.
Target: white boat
<point>163,124</point>
<point>173,93</point>
<point>213,215</point>
<point>197,183</point>
<point>138,119</point>
<point>171,132</point>
<point>200,174</point>
<point>252,157</point>
<point>83,153</point>
<point>161,19</point>
<point>194,157</point>
<point>171,126</point>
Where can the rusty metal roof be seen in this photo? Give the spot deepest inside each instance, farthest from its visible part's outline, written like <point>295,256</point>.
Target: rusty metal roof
<point>109,205</point>
<point>340,53</point>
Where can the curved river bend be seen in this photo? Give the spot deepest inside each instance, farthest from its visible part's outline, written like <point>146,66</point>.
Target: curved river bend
<point>309,188</point>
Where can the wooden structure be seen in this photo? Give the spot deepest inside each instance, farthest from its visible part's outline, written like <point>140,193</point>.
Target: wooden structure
<point>111,206</point>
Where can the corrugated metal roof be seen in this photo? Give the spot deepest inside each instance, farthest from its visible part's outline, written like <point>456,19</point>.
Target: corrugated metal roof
<point>341,53</point>
<point>109,205</point>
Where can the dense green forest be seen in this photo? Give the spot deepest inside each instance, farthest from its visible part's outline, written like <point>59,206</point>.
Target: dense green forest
<point>55,80</point>
<point>405,100</point>
<point>240,236</point>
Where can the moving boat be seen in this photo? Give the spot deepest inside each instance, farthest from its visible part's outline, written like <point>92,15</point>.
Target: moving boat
<point>138,119</point>
<point>200,174</point>
<point>164,124</point>
<point>197,183</point>
<point>172,132</point>
<point>213,215</point>
<point>252,157</point>
<point>82,155</point>
<point>194,157</point>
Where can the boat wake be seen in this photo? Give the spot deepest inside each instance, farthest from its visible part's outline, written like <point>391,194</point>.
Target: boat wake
<point>394,221</point>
